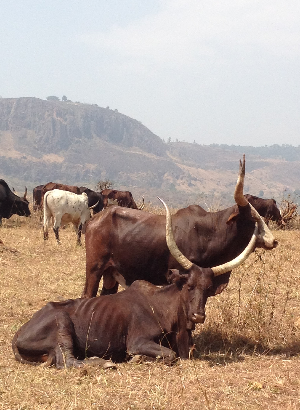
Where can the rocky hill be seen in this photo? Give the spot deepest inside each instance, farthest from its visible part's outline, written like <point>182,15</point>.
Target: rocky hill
<point>81,144</point>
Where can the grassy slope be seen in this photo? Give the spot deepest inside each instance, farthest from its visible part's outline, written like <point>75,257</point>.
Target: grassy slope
<point>247,353</point>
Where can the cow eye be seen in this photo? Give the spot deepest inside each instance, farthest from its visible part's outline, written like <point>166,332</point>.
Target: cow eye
<point>191,287</point>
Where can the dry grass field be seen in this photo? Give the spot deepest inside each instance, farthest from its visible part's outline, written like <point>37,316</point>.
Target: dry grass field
<point>247,352</point>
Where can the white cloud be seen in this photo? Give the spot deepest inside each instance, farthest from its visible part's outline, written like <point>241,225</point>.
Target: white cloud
<point>184,31</point>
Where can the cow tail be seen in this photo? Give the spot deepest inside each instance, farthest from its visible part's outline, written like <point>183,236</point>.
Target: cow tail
<point>17,354</point>
<point>46,221</point>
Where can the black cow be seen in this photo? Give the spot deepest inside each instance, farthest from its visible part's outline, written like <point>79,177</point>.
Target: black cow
<point>94,198</point>
<point>12,204</point>
<point>266,208</point>
<point>130,243</point>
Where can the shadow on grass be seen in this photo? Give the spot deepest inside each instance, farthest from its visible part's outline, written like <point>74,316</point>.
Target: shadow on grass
<point>218,349</point>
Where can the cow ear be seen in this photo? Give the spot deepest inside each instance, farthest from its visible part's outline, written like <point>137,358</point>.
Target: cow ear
<point>172,275</point>
<point>235,214</point>
<point>181,280</point>
<point>219,284</point>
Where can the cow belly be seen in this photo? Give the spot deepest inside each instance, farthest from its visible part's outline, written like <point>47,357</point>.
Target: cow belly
<point>106,340</point>
<point>67,218</point>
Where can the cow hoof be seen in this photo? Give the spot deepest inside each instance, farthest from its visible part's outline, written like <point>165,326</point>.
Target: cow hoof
<point>140,358</point>
<point>109,365</point>
<point>78,364</point>
<point>137,359</point>
<point>98,361</point>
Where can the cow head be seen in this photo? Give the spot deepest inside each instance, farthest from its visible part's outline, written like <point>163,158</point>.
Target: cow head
<point>264,237</point>
<point>274,214</point>
<point>21,205</point>
<point>196,286</point>
<point>200,283</point>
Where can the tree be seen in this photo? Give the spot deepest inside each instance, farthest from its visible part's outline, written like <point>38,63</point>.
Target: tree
<point>52,98</point>
<point>107,184</point>
<point>64,98</point>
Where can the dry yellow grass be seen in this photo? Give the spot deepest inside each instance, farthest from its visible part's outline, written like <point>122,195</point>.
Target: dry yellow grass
<point>247,352</point>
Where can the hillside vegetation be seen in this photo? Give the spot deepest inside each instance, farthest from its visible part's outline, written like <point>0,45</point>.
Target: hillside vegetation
<point>70,142</point>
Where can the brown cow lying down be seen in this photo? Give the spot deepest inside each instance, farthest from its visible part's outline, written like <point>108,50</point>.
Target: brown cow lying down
<point>141,320</point>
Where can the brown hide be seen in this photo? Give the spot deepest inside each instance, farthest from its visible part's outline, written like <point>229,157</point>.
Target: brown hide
<point>142,320</point>
<point>267,208</point>
<point>123,198</point>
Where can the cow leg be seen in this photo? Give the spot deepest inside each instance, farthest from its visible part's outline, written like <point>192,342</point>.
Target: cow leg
<point>151,349</point>
<point>79,230</point>
<point>55,230</point>
<point>47,217</point>
<point>91,286</point>
<point>65,343</point>
<point>94,272</point>
<point>184,342</point>
<point>48,338</point>
<point>45,227</point>
<point>56,225</point>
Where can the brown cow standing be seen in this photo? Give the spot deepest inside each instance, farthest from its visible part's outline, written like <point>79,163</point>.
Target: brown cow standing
<point>37,198</point>
<point>142,320</point>
<point>131,244</point>
<point>123,198</point>
<point>54,185</point>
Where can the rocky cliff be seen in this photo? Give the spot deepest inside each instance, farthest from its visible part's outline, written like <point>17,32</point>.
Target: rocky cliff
<point>76,143</point>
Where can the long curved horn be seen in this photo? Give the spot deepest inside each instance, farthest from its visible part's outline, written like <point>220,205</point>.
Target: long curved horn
<point>93,206</point>
<point>228,266</point>
<point>239,189</point>
<point>173,248</point>
<point>25,194</point>
<point>217,270</point>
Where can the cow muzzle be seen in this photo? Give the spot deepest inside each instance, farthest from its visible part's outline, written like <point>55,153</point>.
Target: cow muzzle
<point>198,318</point>
<point>271,243</point>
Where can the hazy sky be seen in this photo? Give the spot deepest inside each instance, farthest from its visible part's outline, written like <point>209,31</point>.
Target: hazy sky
<point>224,72</point>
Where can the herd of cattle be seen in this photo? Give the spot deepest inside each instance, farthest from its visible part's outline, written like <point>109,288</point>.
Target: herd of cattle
<point>168,266</point>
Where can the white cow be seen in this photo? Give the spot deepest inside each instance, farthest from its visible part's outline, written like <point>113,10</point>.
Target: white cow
<point>65,207</point>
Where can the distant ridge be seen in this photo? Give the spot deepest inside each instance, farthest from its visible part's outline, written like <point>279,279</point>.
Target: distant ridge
<point>76,143</point>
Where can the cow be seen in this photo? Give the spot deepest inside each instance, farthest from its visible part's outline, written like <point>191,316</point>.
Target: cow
<point>55,185</point>
<point>12,204</point>
<point>40,190</point>
<point>64,207</point>
<point>142,320</point>
<point>37,198</point>
<point>123,198</point>
<point>131,244</point>
<point>94,198</point>
<point>267,208</point>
